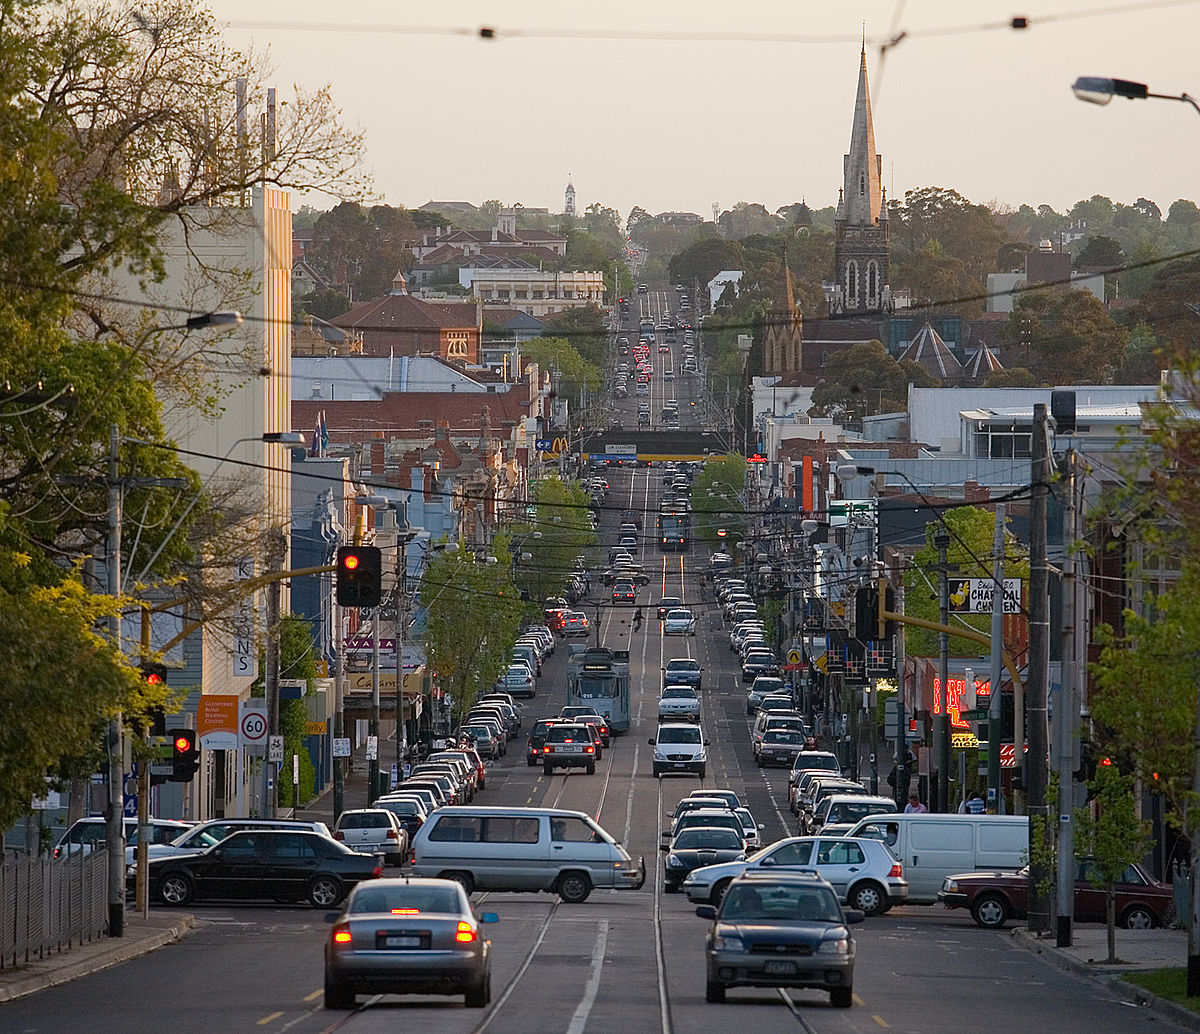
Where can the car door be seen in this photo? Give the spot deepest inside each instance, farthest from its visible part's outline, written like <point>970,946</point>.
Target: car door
<point>291,860</point>
<point>839,861</point>
<point>796,853</point>
<point>226,870</point>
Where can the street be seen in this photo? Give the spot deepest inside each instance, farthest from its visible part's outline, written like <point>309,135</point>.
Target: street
<point>621,961</point>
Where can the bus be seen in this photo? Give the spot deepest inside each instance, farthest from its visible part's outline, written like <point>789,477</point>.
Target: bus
<point>599,678</point>
<point>673,531</point>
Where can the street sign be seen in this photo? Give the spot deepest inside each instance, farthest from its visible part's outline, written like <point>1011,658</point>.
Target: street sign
<point>341,746</point>
<point>275,748</point>
<point>253,728</point>
<point>963,740</point>
<point>974,595</point>
<point>795,657</point>
<point>977,714</point>
<point>217,721</point>
<point>372,748</point>
<point>130,805</point>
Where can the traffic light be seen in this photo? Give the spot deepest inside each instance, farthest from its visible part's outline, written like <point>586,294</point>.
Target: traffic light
<point>185,755</point>
<point>359,576</point>
<point>885,597</point>
<point>866,611</point>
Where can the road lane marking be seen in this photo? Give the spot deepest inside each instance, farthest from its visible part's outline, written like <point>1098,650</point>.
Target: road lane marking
<point>590,990</point>
<point>314,996</point>
<point>880,1020</point>
<point>271,1017</point>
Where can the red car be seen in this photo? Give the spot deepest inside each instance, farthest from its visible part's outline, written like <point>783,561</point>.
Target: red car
<point>996,897</point>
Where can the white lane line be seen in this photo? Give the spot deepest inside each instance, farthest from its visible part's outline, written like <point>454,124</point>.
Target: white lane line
<point>592,988</point>
<point>632,786</point>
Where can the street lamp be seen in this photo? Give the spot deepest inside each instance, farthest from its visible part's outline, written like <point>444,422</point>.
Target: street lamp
<point>1096,90</point>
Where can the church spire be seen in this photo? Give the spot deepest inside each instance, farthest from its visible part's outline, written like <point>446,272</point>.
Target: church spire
<point>862,167</point>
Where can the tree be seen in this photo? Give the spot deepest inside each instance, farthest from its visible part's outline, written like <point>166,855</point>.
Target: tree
<point>971,530</point>
<point>572,372</point>
<point>1066,337</point>
<point>865,379</point>
<point>325,305</point>
<point>716,500</point>
<point>1165,307</point>
<point>705,259</point>
<point>1184,213</point>
<point>583,328</point>
<point>1099,250</point>
<point>970,233</point>
<point>366,246</point>
<point>296,661</point>
<point>563,533</point>
<point>1112,837</point>
<point>472,613</point>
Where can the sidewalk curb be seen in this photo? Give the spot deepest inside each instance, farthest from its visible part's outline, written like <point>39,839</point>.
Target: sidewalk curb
<point>91,958</point>
<point>1112,980</point>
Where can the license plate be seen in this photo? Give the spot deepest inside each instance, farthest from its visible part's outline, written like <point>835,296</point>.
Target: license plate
<point>405,941</point>
<point>570,748</point>
<point>780,967</point>
<point>680,764</point>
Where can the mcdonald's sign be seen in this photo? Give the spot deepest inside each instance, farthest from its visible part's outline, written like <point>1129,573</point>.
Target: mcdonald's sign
<point>553,447</point>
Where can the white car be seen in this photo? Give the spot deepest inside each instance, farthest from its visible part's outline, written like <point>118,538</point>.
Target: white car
<point>679,622</point>
<point>679,703</point>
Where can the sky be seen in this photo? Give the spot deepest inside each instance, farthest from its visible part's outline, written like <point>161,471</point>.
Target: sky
<point>674,105</point>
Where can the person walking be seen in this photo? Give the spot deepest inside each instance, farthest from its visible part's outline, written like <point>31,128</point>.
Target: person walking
<point>637,620</point>
<point>914,805</point>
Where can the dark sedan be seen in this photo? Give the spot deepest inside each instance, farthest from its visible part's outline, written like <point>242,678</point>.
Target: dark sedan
<point>696,847</point>
<point>265,864</point>
<point>412,936</point>
<point>759,663</point>
<point>996,897</point>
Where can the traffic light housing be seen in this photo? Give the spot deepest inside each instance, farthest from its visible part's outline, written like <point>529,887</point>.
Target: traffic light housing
<point>866,609</point>
<point>359,576</point>
<point>185,755</point>
<point>885,600</point>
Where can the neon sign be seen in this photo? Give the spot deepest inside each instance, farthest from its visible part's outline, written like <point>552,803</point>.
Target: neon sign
<point>955,688</point>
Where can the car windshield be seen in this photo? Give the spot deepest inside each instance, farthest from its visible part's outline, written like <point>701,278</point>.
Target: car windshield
<point>679,615</point>
<point>684,664</point>
<point>407,900</point>
<point>680,691</point>
<point>779,903</point>
<point>681,735</point>
<point>715,839</point>
<point>792,738</point>
<point>765,686</point>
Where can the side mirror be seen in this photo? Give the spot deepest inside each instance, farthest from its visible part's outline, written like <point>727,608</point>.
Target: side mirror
<point>854,915</point>
<point>651,741</point>
<point>707,742</point>
<point>664,848</point>
<point>709,911</point>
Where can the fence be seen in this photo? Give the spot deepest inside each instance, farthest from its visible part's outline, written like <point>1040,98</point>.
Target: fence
<point>47,905</point>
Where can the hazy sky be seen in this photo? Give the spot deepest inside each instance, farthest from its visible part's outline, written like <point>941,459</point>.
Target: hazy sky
<point>757,111</point>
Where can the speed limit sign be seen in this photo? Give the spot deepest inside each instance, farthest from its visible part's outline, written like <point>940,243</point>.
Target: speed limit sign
<point>253,728</point>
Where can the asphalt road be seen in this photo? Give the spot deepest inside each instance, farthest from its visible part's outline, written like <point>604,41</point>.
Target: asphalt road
<point>620,962</point>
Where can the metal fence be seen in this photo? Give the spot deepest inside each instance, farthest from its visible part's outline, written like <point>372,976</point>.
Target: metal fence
<point>47,905</point>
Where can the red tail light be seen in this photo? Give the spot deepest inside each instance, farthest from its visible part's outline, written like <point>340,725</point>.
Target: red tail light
<point>342,935</point>
<point>377,871</point>
<point>393,834</point>
<point>465,933</point>
<point>590,749</point>
<point>897,871</point>
<point>548,749</point>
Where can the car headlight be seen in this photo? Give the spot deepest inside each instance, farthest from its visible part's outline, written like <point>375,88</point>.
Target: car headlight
<point>728,943</point>
<point>839,947</point>
<point>659,755</point>
<point>674,862</point>
<point>950,885</point>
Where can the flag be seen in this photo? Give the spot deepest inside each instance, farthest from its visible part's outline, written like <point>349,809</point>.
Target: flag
<point>324,436</point>
<point>315,448</point>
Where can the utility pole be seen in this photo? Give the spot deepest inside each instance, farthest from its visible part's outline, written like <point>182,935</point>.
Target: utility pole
<point>271,667</point>
<point>339,714</point>
<point>941,722</point>
<point>373,725</point>
<point>114,826</point>
<point>996,670</point>
<point>903,774</point>
<point>1064,716</point>
<point>1039,663</point>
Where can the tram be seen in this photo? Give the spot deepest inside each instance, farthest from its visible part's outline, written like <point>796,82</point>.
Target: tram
<point>599,678</point>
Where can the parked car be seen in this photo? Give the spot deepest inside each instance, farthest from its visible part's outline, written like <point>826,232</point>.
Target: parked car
<point>698,846</point>
<point>767,927</point>
<point>373,831</point>
<point>89,834</point>
<point>682,671</point>
<point>996,897</point>
<point>204,835</point>
<point>863,872</point>
<point>678,703</point>
<point>750,828</point>
<point>838,812</point>
<point>409,812</point>
<point>517,680</point>
<point>412,936</point>
<point>268,864</point>
<point>763,686</point>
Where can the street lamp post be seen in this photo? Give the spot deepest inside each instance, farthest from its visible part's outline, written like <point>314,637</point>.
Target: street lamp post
<point>1097,90</point>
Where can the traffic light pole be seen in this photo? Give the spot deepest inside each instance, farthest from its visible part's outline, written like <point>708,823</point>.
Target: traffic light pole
<point>941,725</point>
<point>115,815</point>
<point>271,675</point>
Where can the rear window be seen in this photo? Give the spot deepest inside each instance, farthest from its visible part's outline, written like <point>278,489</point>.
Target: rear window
<point>349,821</point>
<point>567,733</point>
<point>492,829</point>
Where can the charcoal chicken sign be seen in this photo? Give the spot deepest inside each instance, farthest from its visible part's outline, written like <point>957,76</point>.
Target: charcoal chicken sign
<point>974,595</point>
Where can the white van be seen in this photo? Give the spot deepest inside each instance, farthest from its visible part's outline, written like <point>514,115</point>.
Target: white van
<point>932,847</point>
<point>550,849</point>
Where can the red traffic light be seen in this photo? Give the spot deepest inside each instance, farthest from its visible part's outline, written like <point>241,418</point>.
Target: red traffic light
<point>1106,761</point>
<point>183,744</point>
<point>350,561</point>
<point>153,678</point>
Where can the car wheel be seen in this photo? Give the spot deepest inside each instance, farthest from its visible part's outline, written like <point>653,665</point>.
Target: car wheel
<point>1138,917</point>
<point>464,879</point>
<point>869,897</point>
<point>657,770</point>
<point>700,772</point>
<point>574,887</point>
<point>758,760</point>
<point>842,997</point>
<point>547,769</point>
<point>714,992</point>
<point>990,911</point>
<point>481,994</point>
<point>337,995</point>
<point>530,762</point>
<point>175,889</point>
<point>325,891</point>
<point>591,769</point>
<point>717,894</point>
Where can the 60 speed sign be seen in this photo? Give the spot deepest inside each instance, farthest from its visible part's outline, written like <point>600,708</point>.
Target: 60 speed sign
<point>253,728</point>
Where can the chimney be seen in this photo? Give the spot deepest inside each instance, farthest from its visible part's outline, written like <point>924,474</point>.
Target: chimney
<point>378,460</point>
<point>485,426</point>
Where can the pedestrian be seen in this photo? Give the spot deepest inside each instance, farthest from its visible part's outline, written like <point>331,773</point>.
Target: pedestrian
<point>914,805</point>
<point>637,620</point>
<point>974,806</point>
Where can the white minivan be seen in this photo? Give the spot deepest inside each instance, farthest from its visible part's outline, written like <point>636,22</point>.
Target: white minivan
<point>565,852</point>
<point>932,847</point>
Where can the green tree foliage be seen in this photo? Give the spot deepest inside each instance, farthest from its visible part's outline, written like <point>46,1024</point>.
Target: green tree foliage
<point>864,379</point>
<point>325,305</point>
<point>472,613</point>
<point>1016,377</point>
<point>748,219</point>
<point>971,531</point>
<point>563,534</point>
<point>716,502</point>
<point>1165,307</point>
<point>1099,250</point>
<point>1112,837</point>
<point>297,660</point>
<point>1064,337</point>
<point>1151,730</point>
<point>573,372</point>
<point>368,246</point>
<point>703,260</point>
<point>583,329</point>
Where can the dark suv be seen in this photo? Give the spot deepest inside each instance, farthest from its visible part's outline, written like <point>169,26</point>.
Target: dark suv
<point>568,745</point>
<point>537,739</point>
